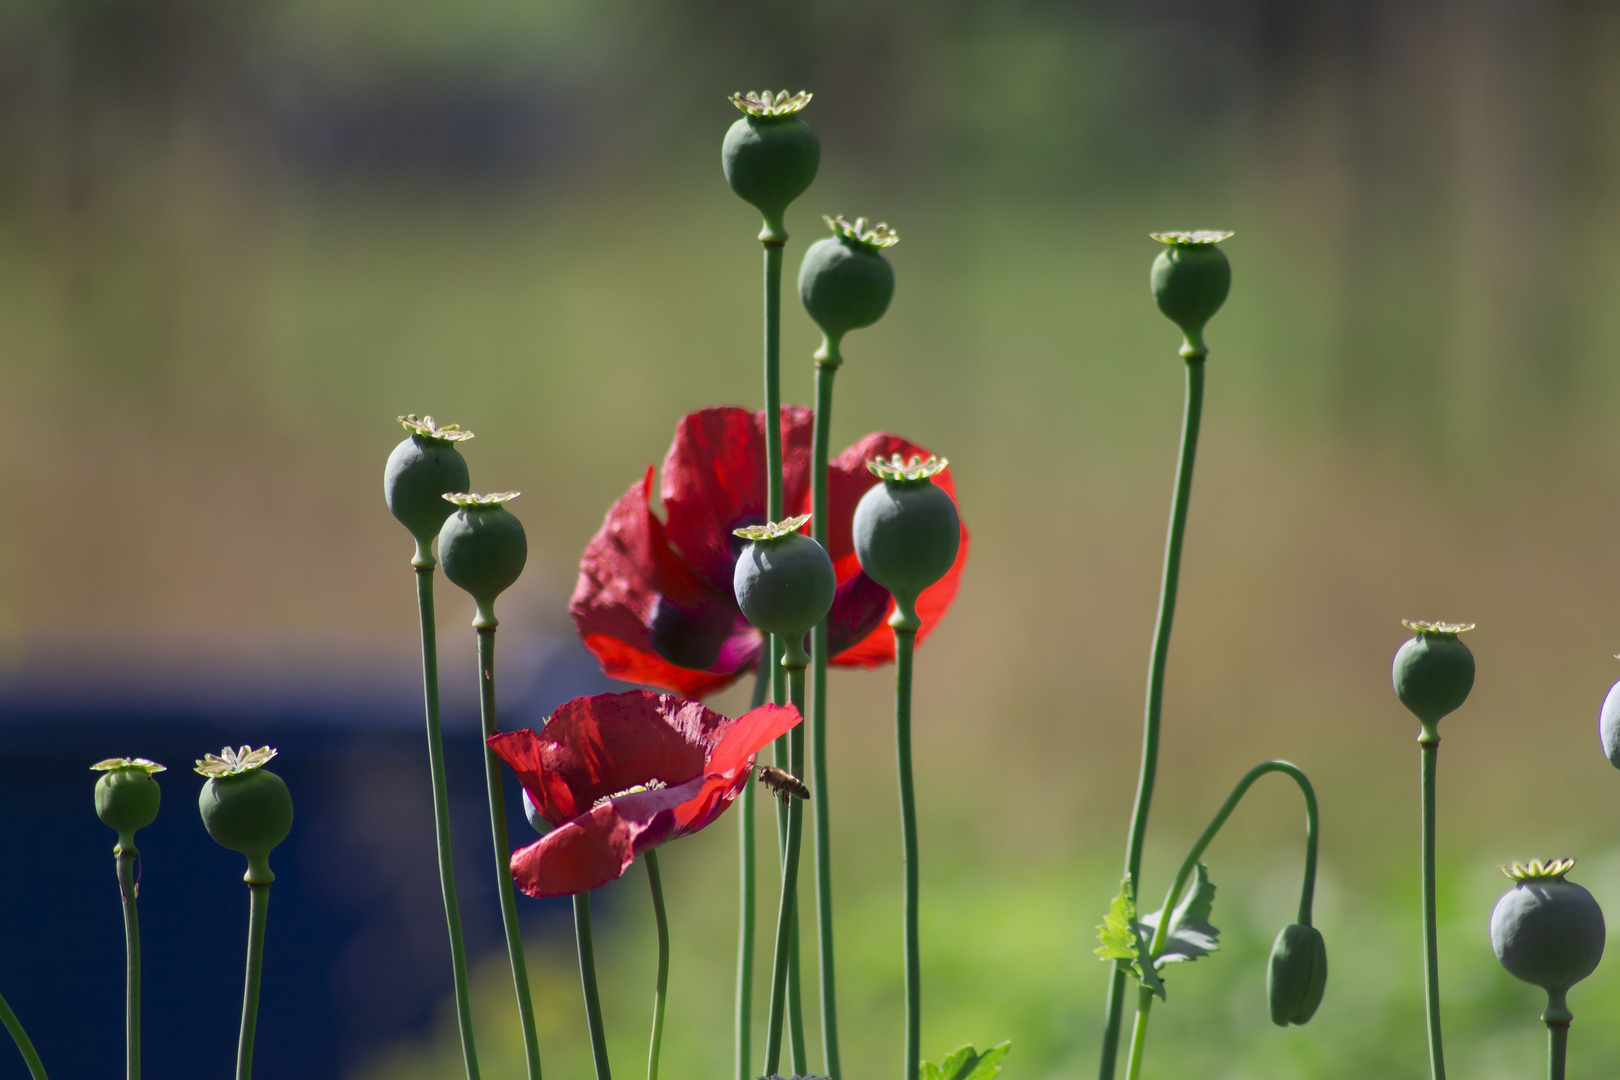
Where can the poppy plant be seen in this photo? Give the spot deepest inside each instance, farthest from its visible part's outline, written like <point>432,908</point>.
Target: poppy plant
<point>654,601</point>
<point>618,774</point>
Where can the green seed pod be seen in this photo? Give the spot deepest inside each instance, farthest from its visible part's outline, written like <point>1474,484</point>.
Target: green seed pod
<point>1190,279</point>
<point>421,469</point>
<point>1609,725</point>
<point>1545,930</point>
<point>1297,976</point>
<point>1433,672</point>
<point>770,156</point>
<point>906,531</point>
<point>483,548</point>
<point>245,806</point>
<point>845,281</point>
<point>784,582</point>
<point>127,796</point>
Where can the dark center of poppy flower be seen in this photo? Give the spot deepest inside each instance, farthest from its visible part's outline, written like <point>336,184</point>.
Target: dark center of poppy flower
<point>736,543</point>
<point>687,637</point>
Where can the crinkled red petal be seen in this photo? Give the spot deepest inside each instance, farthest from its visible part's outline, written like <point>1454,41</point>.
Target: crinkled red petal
<point>627,570</point>
<point>593,747</point>
<point>599,845</point>
<point>714,481</point>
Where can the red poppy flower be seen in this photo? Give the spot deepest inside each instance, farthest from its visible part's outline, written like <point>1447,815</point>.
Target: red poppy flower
<point>620,773</point>
<point>654,599</point>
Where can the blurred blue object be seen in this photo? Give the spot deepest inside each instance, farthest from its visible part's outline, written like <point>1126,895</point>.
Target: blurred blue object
<point>356,949</point>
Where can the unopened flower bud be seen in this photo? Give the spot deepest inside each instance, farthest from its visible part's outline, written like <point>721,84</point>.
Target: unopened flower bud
<point>1297,976</point>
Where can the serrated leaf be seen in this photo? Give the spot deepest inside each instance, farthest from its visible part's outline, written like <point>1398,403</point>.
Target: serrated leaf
<point>1190,935</point>
<point>1123,940</point>
<point>965,1063</point>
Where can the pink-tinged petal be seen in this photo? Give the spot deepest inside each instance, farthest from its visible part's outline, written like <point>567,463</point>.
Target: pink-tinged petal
<point>714,482</point>
<point>599,845</point>
<point>597,746</point>
<point>860,608</point>
<point>645,614</point>
<point>751,732</point>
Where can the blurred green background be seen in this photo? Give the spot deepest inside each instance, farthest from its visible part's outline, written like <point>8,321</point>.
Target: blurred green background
<point>237,240</point>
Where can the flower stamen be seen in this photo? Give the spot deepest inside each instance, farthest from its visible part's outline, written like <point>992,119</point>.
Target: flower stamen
<point>1537,870</point>
<point>772,530</point>
<point>230,762</point>
<point>918,468</point>
<point>878,235</point>
<point>428,429</point>
<point>765,103</point>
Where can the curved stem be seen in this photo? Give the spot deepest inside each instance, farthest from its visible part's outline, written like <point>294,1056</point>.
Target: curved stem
<point>1429,751</point>
<point>1307,891</point>
<point>826,368</point>
<point>587,981</point>
<point>441,817</point>
<point>125,855</point>
<point>258,909</point>
<point>1192,412</point>
<point>25,1045</point>
<point>653,880</point>
<point>905,639</point>
<point>504,887</point>
<point>746,910</point>
<point>794,827</point>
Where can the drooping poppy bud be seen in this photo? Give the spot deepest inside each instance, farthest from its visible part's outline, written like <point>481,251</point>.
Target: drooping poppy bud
<point>770,155</point>
<point>421,469</point>
<point>1545,930</point>
<point>906,531</point>
<point>483,548</point>
<point>1433,671</point>
<point>1190,279</point>
<point>127,795</point>
<point>845,282</point>
<point>784,581</point>
<point>1297,975</point>
<point>245,806</point>
<point>1609,725</point>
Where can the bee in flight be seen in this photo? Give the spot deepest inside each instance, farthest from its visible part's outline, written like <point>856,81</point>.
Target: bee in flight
<point>782,782</point>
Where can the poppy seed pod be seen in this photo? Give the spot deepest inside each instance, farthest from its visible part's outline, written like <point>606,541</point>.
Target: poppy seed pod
<point>1433,672</point>
<point>1297,975</point>
<point>1609,725</point>
<point>906,530</point>
<point>1190,279</point>
<point>784,581</point>
<point>245,806</point>
<point>845,282</point>
<point>483,548</point>
<point>421,469</point>
<point>770,155</point>
<point>127,795</point>
<point>1545,930</point>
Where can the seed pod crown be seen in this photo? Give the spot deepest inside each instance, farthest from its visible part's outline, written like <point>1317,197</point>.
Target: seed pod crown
<point>845,282</point>
<point>784,580</point>
<point>483,548</point>
<point>127,795</point>
<point>1547,930</point>
<point>906,529</point>
<point>245,806</point>
<point>1433,672</point>
<point>421,469</point>
<point>1190,280</point>
<point>770,155</point>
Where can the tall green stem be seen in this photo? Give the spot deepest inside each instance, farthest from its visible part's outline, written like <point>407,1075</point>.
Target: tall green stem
<point>587,980</point>
<point>1192,412</point>
<point>25,1045</point>
<point>786,909</point>
<point>905,641</point>
<point>1307,889</point>
<point>1557,1019</point>
<point>827,361</point>
<point>441,817</point>
<point>657,885</point>
<point>258,909</point>
<point>126,854</point>
<point>747,874</point>
<point>1429,751</point>
<point>504,887</point>
<point>773,376</point>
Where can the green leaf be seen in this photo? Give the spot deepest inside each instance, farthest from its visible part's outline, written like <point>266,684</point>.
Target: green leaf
<point>964,1063</point>
<point>1190,934</point>
<point>1122,939</point>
